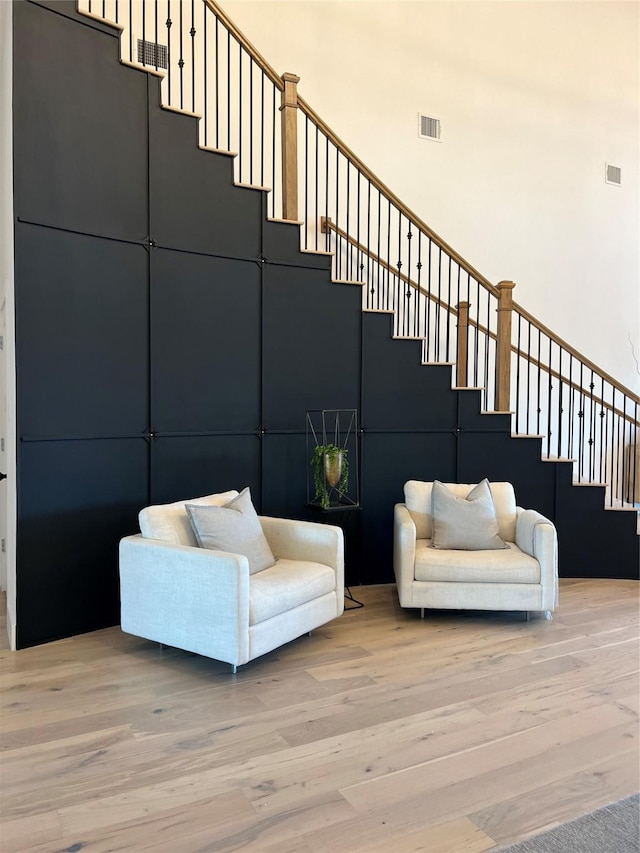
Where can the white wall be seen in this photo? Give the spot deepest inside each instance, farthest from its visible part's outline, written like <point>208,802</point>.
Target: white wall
<point>534,98</point>
<point>7,328</point>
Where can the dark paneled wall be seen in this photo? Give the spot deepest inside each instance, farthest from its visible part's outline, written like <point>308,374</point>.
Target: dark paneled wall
<point>170,340</point>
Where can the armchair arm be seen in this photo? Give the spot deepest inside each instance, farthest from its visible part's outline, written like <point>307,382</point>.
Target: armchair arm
<point>307,540</point>
<point>536,536</point>
<point>404,553</point>
<point>191,598</point>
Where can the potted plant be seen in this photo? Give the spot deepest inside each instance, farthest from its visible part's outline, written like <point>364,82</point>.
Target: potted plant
<point>330,472</point>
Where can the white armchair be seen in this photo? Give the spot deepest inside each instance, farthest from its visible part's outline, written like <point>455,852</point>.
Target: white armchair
<point>206,601</point>
<point>522,576</point>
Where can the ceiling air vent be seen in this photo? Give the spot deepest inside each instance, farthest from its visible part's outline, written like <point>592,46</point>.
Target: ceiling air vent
<point>613,175</point>
<point>429,127</point>
<point>150,53</point>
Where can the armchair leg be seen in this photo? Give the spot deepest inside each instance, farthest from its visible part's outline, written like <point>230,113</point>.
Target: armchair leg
<point>234,668</point>
<point>422,612</point>
<point>548,615</point>
<point>527,615</point>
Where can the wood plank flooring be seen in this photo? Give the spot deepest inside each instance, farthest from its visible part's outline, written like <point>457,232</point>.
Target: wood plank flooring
<point>380,733</point>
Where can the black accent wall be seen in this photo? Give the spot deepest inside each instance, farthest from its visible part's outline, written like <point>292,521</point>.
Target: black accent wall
<point>170,339</point>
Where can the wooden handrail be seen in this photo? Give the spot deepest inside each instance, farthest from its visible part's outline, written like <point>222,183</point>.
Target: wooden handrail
<point>244,41</point>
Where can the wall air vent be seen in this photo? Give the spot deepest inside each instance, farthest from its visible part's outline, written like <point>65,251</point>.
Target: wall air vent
<point>429,127</point>
<point>613,175</point>
<point>152,54</point>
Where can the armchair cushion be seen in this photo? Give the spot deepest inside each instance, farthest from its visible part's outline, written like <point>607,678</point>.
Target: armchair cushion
<point>287,585</point>
<point>234,527</point>
<point>508,565</point>
<point>465,523</point>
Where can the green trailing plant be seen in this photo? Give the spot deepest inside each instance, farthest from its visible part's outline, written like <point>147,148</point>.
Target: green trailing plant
<point>323,489</point>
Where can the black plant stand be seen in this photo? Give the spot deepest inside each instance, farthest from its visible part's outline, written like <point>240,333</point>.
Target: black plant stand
<point>339,514</point>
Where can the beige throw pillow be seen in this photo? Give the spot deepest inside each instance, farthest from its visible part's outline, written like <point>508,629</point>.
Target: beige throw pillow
<point>234,527</point>
<point>465,524</point>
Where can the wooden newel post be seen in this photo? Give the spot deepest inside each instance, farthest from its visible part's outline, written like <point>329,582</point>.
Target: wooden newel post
<point>289,145</point>
<point>463,339</point>
<point>503,347</point>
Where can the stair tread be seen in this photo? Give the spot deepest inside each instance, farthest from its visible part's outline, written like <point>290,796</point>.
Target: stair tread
<point>218,150</point>
<point>558,459</point>
<point>378,311</point>
<point>171,109</point>
<point>157,72</point>
<point>527,435</point>
<point>102,20</point>
<point>467,387</point>
<point>245,186</point>
<point>497,412</point>
<point>348,281</point>
<point>317,252</point>
<point>282,221</point>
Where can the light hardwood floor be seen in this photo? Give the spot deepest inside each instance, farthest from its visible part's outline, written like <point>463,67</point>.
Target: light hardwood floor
<point>380,733</point>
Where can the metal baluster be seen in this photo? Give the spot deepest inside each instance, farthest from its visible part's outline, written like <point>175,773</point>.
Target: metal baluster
<point>192,33</point>
<point>617,458</point>
<point>457,327</point>
<point>571,408</point>
<point>538,383</point>
<point>250,119</point>
<point>326,192</point>
<point>338,250</point>
<point>155,30</point>
<point>169,24</point>
<point>369,278</point>
<point>581,423</point>
<point>477,343</point>
<point>262,148</point>
<point>388,249</point>
<point>448,315</point>
<point>428,304</point>
<point>317,181</point>
<point>359,261</point>
<point>602,445</point>
<point>144,32</point>
<point>591,430</point>
<point>273,150</point>
<point>398,287</point>
<point>181,60</point>
<point>518,407</point>
<point>217,95</point>
<point>528,410</point>
<point>348,202</point>
<point>487,354</point>
<point>549,389</point>
<point>130,32</point>
<point>438,305</point>
<point>560,410</point>
<point>378,270</point>
<point>306,182</point>
<point>418,307</point>
<point>229,90</point>
<point>240,142</point>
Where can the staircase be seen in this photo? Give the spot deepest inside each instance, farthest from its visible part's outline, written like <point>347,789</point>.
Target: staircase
<point>577,413</point>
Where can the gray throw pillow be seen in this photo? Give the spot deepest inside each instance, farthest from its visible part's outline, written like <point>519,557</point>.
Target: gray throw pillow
<point>234,527</point>
<point>465,524</point>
